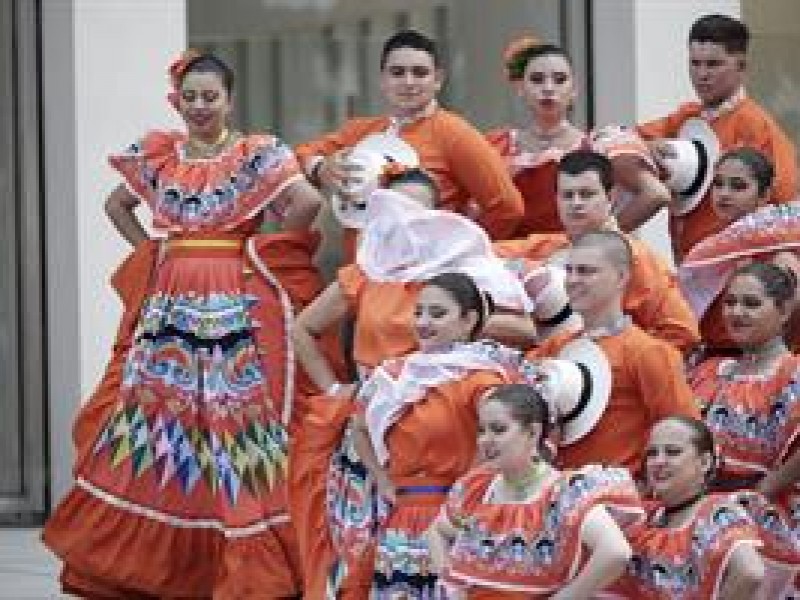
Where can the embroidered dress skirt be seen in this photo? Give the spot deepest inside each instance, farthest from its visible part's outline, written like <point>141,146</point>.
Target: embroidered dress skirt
<point>182,491</point>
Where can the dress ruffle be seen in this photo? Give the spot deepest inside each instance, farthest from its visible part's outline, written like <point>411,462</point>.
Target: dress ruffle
<point>531,547</point>
<point>755,420</point>
<point>687,563</point>
<point>708,265</point>
<point>135,553</point>
<point>191,195</point>
<point>772,228</point>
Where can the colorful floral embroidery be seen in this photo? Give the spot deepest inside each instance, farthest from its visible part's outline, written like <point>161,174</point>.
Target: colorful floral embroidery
<point>403,567</point>
<point>763,433</point>
<point>211,316</point>
<point>692,570</point>
<point>201,195</point>
<point>527,550</point>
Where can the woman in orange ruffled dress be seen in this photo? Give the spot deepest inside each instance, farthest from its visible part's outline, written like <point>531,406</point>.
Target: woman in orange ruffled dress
<point>180,484</point>
<point>752,405</point>
<point>516,527</point>
<point>542,75</point>
<point>411,437</point>
<point>403,245</point>
<point>755,230</point>
<point>695,545</point>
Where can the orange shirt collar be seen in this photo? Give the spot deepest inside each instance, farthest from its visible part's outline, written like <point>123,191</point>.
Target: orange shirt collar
<point>726,106</point>
<point>397,123</point>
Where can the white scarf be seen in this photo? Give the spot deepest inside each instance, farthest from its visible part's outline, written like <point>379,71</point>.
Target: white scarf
<point>404,241</point>
<point>397,384</point>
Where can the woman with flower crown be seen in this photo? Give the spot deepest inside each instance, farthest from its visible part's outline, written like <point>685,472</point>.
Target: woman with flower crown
<point>180,475</point>
<point>541,74</point>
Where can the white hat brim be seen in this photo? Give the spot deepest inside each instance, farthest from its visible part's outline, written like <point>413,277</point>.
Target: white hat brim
<point>699,130</point>
<point>377,149</point>
<point>593,361</point>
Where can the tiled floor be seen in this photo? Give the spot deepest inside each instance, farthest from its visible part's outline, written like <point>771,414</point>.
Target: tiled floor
<point>27,570</point>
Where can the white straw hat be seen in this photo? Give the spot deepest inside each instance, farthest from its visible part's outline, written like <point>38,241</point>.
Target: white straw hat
<point>370,156</point>
<point>691,170</point>
<point>577,386</point>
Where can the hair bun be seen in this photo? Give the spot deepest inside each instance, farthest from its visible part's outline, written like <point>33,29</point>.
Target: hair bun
<point>790,274</point>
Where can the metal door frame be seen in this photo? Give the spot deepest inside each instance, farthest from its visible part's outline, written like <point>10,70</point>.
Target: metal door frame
<point>29,506</point>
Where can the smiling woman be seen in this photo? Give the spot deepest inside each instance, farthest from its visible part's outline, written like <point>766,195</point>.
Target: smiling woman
<point>515,526</point>
<point>695,544</point>
<point>202,369</point>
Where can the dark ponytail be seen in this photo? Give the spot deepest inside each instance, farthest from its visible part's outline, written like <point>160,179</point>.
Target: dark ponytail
<point>466,294</point>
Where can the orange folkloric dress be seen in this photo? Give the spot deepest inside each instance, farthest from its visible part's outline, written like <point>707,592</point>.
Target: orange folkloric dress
<point>756,422</point>
<point>380,549</point>
<point>383,330</point>
<point>688,562</point>
<point>180,484</point>
<point>529,549</point>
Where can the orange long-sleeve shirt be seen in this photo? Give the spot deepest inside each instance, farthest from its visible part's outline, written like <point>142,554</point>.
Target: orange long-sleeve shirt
<point>652,298</point>
<point>463,164</point>
<point>746,124</point>
<point>648,385</point>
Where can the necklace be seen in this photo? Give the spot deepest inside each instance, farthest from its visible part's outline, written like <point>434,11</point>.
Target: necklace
<point>535,139</point>
<point>663,518</point>
<point>757,360</point>
<point>203,149</point>
<point>519,487</point>
<point>397,122</point>
<point>539,133</point>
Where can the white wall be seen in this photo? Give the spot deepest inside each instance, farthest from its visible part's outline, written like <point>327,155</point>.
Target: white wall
<point>641,67</point>
<point>104,64</point>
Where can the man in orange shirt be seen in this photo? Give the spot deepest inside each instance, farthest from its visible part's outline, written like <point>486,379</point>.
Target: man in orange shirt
<point>717,66</point>
<point>648,378</point>
<point>470,174</point>
<point>651,296</point>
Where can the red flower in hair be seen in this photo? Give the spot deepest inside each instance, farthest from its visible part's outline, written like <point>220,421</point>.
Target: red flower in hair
<point>176,70</point>
<point>178,67</point>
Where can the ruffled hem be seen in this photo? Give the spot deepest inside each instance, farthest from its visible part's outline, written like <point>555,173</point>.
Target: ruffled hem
<point>532,547</point>
<point>214,194</point>
<point>107,548</point>
<point>770,229</point>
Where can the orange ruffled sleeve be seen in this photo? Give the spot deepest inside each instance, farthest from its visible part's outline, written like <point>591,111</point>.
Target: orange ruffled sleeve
<point>216,194</point>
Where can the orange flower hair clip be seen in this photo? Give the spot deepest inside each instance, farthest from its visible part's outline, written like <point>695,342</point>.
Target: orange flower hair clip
<point>391,171</point>
<point>516,55</point>
<point>176,70</point>
<point>178,67</point>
